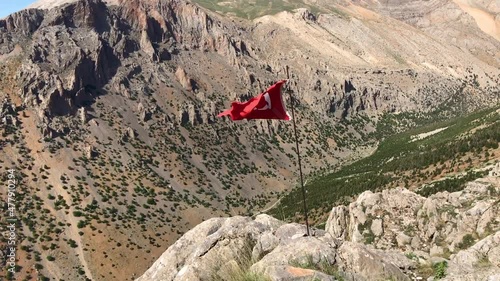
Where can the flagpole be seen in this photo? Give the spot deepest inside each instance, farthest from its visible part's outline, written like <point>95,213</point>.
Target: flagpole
<point>298,154</point>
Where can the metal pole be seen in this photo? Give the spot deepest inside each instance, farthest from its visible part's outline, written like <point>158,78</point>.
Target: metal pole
<point>298,154</point>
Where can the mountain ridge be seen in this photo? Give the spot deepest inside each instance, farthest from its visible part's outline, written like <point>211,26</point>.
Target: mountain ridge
<point>108,115</point>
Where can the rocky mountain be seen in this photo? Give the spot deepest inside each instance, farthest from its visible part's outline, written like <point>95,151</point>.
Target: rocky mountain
<point>108,114</point>
<point>390,235</point>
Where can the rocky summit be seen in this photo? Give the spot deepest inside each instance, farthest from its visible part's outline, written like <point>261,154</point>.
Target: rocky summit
<point>391,235</point>
<point>108,122</point>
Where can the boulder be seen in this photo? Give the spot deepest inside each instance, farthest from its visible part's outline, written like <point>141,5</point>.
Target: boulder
<point>377,227</point>
<point>82,113</point>
<point>399,216</point>
<point>298,251</point>
<point>337,222</point>
<point>367,264</point>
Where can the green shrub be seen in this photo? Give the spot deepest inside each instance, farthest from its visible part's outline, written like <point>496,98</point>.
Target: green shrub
<point>440,270</point>
<point>467,241</point>
<point>72,243</point>
<point>77,213</point>
<point>321,266</point>
<point>81,224</point>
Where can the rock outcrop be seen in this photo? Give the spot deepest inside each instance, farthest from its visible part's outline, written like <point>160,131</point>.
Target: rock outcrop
<point>443,225</point>
<point>98,80</point>
<point>77,49</point>
<point>388,235</point>
<point>398,218</point>
<point>8,113</point>
<point>479,262</point>
<point>222,247</point>
<point>16,27</point>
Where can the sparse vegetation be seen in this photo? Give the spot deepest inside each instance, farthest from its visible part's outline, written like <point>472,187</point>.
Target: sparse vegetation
<point>240,269</point>
<point>399,161</point>
<point>452,184</point>
<point>322,266</point>
<point>440,270</point>
<point>467,241</point>
<point>251,10</point>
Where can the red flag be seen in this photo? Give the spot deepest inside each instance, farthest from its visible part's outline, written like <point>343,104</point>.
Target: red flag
<point>267,105</point>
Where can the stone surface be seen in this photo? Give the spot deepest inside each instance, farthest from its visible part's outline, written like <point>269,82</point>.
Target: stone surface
<point>479,262</point>
<point>415,222</point>
<point>183,79</point>
<point>266,246</point>
<point>349,64</point>
<point>290,273</point>
<point>8,114</point>
<point>366,264</point>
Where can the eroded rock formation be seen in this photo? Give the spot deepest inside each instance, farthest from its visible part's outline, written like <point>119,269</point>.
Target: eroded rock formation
<point>380,236</point>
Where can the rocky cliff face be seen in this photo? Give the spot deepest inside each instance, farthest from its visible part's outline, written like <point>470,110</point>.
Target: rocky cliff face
<point>110,109</point>
<point>78,49</point>
<point>395,234</point>
<point>63,66</point>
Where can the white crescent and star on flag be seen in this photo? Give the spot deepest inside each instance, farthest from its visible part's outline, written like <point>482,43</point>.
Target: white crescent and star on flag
<point>267,98</point>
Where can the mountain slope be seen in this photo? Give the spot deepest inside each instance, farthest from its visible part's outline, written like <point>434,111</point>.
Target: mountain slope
<point>108,116</point>
<point>443,155</point>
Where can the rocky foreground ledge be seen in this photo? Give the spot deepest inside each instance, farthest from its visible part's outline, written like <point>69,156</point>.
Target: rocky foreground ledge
<point>392,235</point>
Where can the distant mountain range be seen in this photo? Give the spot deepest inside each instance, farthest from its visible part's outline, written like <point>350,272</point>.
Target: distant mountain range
<point>108,110</point>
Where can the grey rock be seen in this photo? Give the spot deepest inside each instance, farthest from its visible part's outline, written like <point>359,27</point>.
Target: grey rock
<point>8,113</point>
<point>269,221</point>
<point>281,251</point>
<point>367,264</point>
<point>48,132</point>
<point>183,79</point>
<point>336,225</point>
<point>265,244</point>
<point>290,273</point>
<point>297,251</point>
<point>145,115</point>
<point>377,227</point>
<point>436,251</point>
<point>495,171</point>
<point>304,14</point>
<point>90,152</point>
<point>82,112</point>
<point>129,133</point>
<point>220,247</point>
<point>415,222</point>
<point>479,262</point>
<point>415,242</point>
<point>290,231</point>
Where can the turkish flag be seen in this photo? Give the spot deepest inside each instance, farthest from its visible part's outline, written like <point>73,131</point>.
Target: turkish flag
<point>267,105</point>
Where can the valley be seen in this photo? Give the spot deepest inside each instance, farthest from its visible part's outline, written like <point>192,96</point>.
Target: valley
<point>108,118</point>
